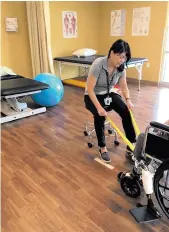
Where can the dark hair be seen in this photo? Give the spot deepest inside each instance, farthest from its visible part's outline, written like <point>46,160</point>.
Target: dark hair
<point>119,47</point>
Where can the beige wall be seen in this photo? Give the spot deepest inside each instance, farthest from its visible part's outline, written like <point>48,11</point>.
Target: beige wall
<point>93,32</point>
<point>141,46</point>
<point>88,30</point>
<point>15,48</point>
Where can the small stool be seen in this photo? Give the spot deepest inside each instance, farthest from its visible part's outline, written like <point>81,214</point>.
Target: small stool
<point>90,130</point>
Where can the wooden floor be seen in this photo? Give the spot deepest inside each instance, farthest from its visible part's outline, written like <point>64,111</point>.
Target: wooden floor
<point>50,181</point>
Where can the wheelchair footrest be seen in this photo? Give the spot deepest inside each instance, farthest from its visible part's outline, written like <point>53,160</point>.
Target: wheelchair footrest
<point>143,214</point>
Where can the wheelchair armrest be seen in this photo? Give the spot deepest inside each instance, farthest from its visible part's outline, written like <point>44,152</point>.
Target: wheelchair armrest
<point>160,126</point>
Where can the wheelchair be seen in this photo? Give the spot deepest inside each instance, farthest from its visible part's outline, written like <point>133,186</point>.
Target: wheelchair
<point>150,172</point>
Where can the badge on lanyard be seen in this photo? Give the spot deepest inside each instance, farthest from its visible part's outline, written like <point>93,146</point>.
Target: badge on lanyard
<point>108,99</point>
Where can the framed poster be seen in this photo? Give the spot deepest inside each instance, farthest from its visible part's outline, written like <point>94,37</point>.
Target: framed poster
<point>69,24</point>
<point>117,23</point>
<point>11,24</point>
<point>141,21</point>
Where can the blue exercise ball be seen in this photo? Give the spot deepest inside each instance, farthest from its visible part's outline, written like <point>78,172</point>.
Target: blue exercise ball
<point>51,96</point>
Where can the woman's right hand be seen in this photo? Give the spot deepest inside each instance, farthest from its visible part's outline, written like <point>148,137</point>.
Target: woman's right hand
<point>101,111</point>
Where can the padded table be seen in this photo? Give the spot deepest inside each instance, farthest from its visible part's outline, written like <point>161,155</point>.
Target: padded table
<point>18,85</point>
<point>13,87</point>
<point>87,61</point>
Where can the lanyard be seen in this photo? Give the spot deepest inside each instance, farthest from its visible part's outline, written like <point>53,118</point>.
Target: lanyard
<point>108,83</point>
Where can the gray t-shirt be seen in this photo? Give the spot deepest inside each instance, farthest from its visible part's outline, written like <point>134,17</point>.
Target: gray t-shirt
<point>98,69</point>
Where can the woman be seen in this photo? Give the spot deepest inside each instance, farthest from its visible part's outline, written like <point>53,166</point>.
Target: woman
<point>104,73</point>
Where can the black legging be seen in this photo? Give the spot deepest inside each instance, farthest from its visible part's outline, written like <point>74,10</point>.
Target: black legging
<point>118,106</point>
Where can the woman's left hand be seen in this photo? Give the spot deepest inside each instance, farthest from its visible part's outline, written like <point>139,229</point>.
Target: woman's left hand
<point>129,104</point>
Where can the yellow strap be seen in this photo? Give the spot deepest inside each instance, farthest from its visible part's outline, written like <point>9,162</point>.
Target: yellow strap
<point>134,123</point>
<point>121,134</point>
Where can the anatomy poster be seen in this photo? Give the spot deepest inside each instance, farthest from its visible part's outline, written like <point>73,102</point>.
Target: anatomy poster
<point>141,21</point>
<point>69,22</point>
<point>117,23</point>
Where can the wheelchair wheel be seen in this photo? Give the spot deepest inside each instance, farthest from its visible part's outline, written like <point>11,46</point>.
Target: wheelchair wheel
<point>161,186</point>
<point>130,186</point>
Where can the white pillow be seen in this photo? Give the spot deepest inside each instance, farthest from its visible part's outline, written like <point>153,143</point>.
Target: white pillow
<point>84,52</point>
<point>4,71</point>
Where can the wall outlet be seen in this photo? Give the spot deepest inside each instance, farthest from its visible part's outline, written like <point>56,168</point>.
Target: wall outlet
<point>148,65</point>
